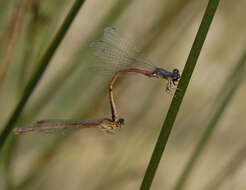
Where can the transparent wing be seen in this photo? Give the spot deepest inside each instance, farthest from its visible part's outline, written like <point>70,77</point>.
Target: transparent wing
<point>63,122</point>
<point>103,69</point>
<point>57,126</point>
<point>118,52</point>
<point>116,39</point>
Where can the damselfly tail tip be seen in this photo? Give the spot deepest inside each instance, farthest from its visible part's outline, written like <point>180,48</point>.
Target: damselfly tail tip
<point>17,131</point>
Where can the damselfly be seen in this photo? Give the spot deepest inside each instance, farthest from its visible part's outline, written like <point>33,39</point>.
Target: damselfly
<point>51,125</point>
<point>121,56</point>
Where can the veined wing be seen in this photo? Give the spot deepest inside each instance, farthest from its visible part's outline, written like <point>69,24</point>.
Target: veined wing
<point>118,52</point>
<point>63,122</point>
<point>113,37</point>
<point>58,126</point>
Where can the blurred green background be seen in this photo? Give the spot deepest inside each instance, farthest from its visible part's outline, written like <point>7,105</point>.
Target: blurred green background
<point>91,159</point>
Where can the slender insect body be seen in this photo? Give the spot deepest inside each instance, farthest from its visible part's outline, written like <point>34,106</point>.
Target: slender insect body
<point>162,73</point>
<point>55,125</point>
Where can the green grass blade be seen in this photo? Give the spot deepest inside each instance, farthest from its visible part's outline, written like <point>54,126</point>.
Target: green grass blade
<point>6,159</point>
<point>41,68</point>
<point>176,102</point>
<point>238,76</point>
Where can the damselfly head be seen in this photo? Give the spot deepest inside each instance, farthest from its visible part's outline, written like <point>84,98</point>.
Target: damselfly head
<point>175,75</point>
<point>120,121</point>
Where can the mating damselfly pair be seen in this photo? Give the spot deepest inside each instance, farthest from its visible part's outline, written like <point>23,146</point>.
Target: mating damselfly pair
<point>118,55</point>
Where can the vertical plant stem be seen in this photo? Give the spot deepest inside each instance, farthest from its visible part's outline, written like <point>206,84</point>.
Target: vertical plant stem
<point>176,102</point>
<point>43,63</point>
<point>212,124</point>
<point>21,11</point>
<point>6,159</point>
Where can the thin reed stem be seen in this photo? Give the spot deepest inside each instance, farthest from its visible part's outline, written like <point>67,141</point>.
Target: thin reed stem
<point>178,97</point>
<point>239,73</point>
